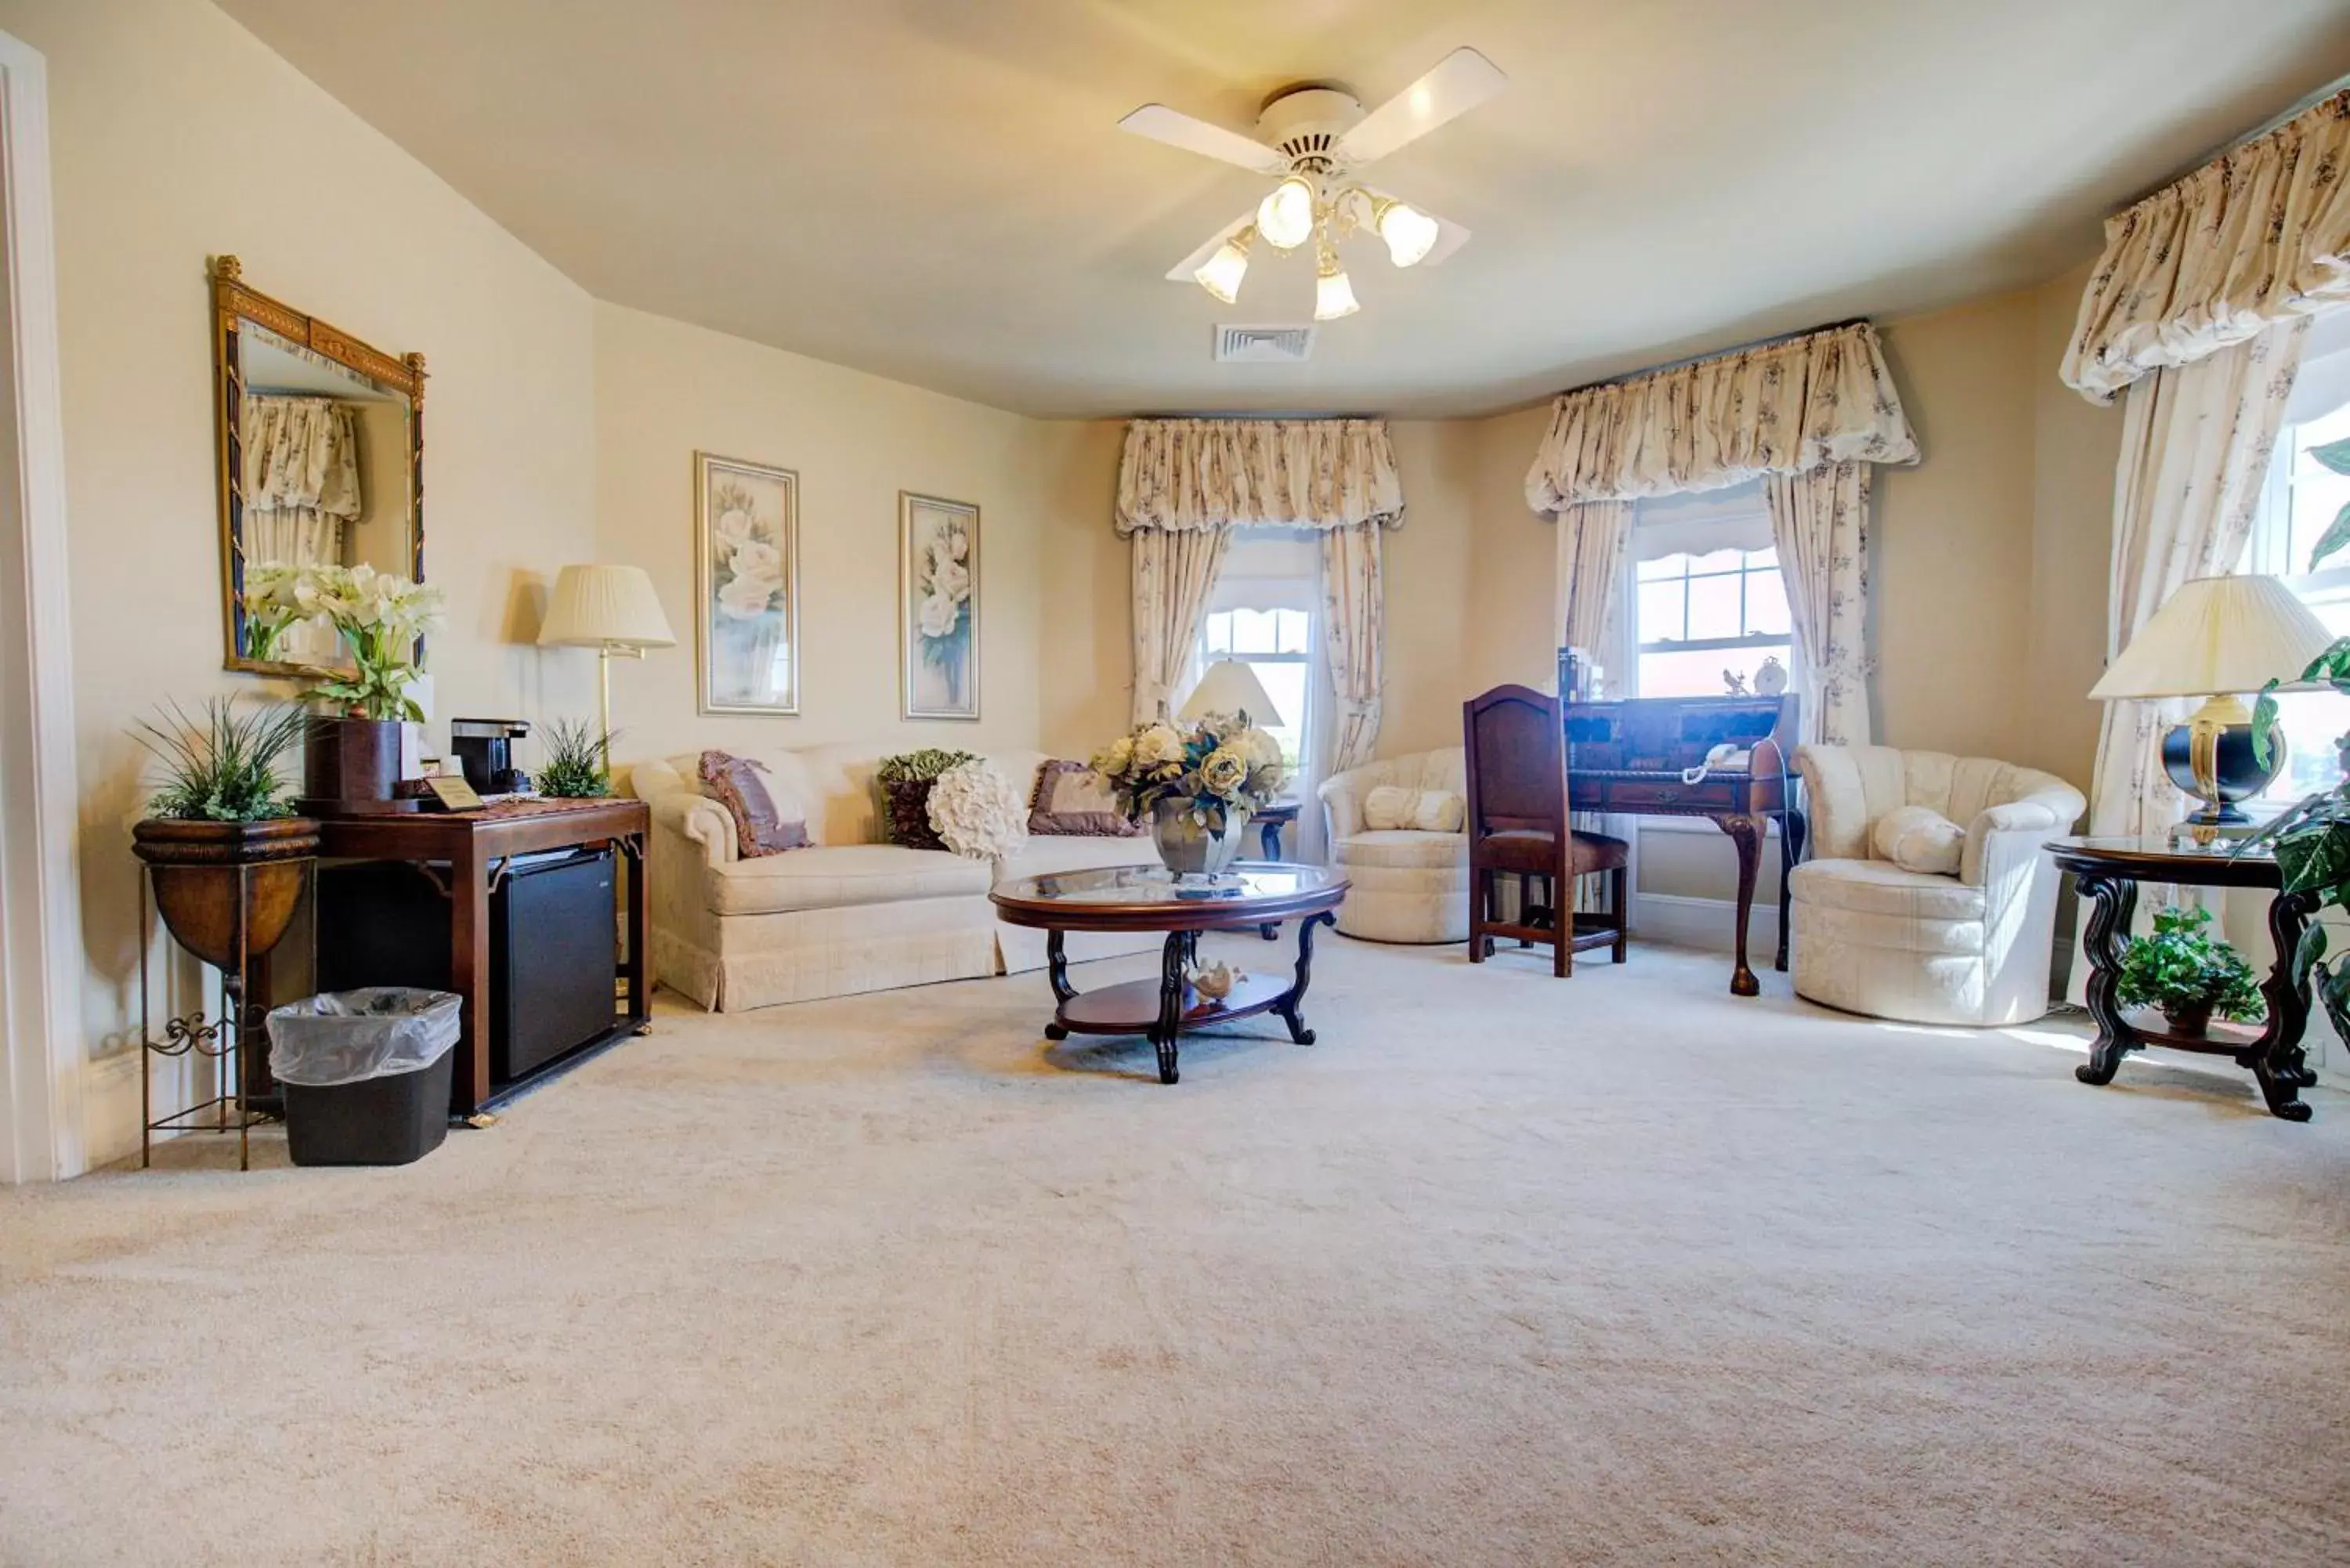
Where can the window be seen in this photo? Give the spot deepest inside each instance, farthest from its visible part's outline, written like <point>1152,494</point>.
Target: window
<point>1277,646</point>
<point>2301,498</point>
<point>1697,616</point>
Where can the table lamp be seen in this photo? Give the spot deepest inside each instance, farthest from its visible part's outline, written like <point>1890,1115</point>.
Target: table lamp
<point>2217,638</point>
<point>1229,686</point>
<point>612,609</point>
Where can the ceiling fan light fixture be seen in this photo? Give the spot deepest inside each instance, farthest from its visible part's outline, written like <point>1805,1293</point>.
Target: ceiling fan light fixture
<point>1333,296</point>
<point>1409,233</point>
<point>1285,216</point>
<point>1221,273</point>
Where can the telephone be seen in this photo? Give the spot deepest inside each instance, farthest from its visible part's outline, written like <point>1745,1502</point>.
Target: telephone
<point>1730,757</point>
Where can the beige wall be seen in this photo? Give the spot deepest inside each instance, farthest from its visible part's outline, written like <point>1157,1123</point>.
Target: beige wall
<point>175,135</point>
<point>665,390</point>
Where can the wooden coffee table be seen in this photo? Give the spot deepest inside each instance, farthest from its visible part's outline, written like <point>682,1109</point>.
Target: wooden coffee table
<point>1253,895</point>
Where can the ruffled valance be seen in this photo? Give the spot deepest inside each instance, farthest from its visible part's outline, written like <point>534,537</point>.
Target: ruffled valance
<point>1186,476</point>
<point>2245,242</point>
<point>1785,407</point>
<point>301,452</point>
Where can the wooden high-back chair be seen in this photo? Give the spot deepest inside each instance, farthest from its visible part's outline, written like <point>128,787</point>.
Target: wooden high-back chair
<point>1518,826</point>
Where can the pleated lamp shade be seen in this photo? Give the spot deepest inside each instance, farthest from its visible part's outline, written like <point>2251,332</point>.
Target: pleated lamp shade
<point>2218,636</point>
<point>1229,686</point>
<point>605,607</point>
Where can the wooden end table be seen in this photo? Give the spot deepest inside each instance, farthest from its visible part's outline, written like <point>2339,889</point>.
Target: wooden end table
<point>2107,871</point>
<point>1251,895</point>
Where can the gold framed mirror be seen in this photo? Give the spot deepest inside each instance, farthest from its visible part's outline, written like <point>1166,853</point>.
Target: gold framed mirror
<point>321,450</point>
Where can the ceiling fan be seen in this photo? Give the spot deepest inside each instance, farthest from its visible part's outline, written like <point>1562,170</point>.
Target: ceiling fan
<point>1315,140</point>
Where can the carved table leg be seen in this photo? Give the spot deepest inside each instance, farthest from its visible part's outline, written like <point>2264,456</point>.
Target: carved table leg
<point>1057,970</point>
<point>2114,900</point>
<point>1171,1003</point>
<point>1288,1007</point>
<point>1746,833</point>
<point>2276,1058</point>
<point>1791,829</point>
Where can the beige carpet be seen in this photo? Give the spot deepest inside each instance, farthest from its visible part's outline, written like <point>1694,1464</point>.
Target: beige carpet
<point>1505,1269</point>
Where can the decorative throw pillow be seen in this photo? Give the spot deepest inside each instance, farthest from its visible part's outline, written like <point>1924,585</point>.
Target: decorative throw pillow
<point>762,826</point>
<point>1391,806</point>
<point>1070,798</point>
<point>976,812</point>
<point>1919,838</point>
<point>905,781</point>
<point>1439,810</point>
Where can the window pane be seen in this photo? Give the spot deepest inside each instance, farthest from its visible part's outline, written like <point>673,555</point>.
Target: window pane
<point>1698,673</point>
<point>1713,607</point>
<point>1286,684</point>
<point>1715,561</point>
<point>1663,567</point>
<point>1220,632</point>
<point>1768,558</point>
<point>1253,630</point>
<point>1660,611</point>
<point>1289,631</point>
<point>1766,603</point>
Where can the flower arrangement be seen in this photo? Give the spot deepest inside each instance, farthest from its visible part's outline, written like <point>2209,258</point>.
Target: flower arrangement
<point>379,616</point>
<point>2187,973</point>
<point>976,812</point>
<point>942,579</point>
<point>1218,771</point>
<point>224,767</point>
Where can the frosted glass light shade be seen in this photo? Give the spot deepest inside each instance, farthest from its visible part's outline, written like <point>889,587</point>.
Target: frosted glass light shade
<point>1220,275</point>
<point>600,607</point>
<point>2218,636</point>
<point>1231,687</point>
<point>1285,216</point>
<point>1409,233</point>
<point>1334,296</point>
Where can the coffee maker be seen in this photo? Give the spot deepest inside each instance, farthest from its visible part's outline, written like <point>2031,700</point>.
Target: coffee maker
<point>484,749</point>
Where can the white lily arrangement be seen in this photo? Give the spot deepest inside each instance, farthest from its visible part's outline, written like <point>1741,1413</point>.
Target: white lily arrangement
<point>379,617</point>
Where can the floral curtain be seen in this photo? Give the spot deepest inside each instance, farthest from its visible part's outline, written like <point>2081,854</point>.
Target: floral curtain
<point>1780,408</point>
<point>1174,573</point>
<point>1183,475</point>
<point>2259,237</point>
<point>1353,636</point>
<point>1819,520</point>
<point>1591,540</point>
<point>2195,441</point>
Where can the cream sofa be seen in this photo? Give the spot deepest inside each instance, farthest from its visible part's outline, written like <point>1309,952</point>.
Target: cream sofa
<point>1871,937</point>
<point>1407,885</point>
<point>850,913</point>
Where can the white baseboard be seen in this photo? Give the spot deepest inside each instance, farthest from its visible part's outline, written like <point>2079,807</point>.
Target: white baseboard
<point>1704,922</point>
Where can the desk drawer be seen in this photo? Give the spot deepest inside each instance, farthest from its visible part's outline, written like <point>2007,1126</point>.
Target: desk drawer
<point>1638,795</point>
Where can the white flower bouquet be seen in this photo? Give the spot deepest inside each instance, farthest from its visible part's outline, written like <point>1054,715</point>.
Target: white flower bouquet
<point>1216,772</point>
<point>942,579</point>
<point>379,616</point>
<point>749,569</point>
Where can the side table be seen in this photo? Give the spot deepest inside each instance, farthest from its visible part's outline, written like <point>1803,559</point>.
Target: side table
<point>2107,871</point>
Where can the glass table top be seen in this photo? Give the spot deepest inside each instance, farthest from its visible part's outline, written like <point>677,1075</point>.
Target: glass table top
<point>2180,841</point>
<point>1133,884</point>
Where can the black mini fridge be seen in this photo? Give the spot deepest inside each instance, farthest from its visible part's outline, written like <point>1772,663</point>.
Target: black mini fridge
<point>553,961</point>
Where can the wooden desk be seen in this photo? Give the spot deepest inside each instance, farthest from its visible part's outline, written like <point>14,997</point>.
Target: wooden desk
<point>1630,757</point>
<point>475,846</point>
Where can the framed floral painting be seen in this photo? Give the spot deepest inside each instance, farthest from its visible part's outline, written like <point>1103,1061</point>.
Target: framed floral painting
<point>938,606</point>
<point>746,549</point>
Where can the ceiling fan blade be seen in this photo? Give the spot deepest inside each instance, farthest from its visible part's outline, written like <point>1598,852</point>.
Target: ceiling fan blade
<point>1176,129</point>
<point>1183,270</point>
<point>1461,81</point>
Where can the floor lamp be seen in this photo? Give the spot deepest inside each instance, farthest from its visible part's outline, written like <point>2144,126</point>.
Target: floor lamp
<point>614,610</point>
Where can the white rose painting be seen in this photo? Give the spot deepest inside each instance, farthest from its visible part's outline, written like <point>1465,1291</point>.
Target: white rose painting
<point>747,555</point>
<point>938,586</point>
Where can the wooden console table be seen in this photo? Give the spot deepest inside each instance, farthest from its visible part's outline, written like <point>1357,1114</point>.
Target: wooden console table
<point>475,845</point>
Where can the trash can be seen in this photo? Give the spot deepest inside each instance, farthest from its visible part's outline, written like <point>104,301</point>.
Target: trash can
<point>366,1073</point>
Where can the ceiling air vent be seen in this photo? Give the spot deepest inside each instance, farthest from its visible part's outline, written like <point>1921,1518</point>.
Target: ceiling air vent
<point>1264,345</point>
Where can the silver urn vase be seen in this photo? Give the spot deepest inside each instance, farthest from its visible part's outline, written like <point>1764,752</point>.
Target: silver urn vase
<point>1191,848</point>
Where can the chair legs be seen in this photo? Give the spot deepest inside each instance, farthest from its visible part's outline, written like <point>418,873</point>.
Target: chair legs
<point>1619,904</point>
<point>1547,915</point>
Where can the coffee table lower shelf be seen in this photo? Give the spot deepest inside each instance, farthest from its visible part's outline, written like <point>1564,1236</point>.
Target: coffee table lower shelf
<point>1163,1010</point>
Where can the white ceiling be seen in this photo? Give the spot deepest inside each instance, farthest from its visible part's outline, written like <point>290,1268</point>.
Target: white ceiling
<point>933,191</point>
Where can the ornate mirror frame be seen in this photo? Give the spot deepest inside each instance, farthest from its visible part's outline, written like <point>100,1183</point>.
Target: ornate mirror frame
<point>233,304</point>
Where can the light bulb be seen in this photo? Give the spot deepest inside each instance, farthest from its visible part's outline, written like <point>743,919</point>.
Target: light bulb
<point>1409,233</point>
<point>1334,296</point>
<point>1285,216</point>
<point>1221,273</point>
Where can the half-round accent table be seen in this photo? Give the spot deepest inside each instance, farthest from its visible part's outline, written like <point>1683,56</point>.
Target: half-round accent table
<point>1253,895</point>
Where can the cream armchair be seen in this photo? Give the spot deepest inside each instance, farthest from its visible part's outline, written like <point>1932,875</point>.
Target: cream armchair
<point>1407,885</point>
<point>1971,947</point>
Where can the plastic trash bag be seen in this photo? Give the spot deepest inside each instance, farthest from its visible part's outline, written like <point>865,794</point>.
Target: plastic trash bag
<point>351,1037</point>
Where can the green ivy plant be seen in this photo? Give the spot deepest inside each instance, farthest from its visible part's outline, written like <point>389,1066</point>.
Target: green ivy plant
<point>2183,969</point>
<point>2311,841</point>
<point>574,769</point>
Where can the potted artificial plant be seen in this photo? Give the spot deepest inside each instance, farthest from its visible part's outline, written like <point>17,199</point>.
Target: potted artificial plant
<point>221,819</point>
<point>574,768</point>
<point>350,754</point>
<point>2188,974</point>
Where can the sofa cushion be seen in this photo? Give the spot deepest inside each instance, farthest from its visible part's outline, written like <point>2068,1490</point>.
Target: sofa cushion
<point>762,825</point>
<point>1881,887</point>
<point>1919,838</point>
<point>1071,800</point>
<point>1403,849</point>
<point>830,877</point>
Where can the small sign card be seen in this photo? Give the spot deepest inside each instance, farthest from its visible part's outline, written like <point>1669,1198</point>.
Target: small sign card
<point>453,792</point>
